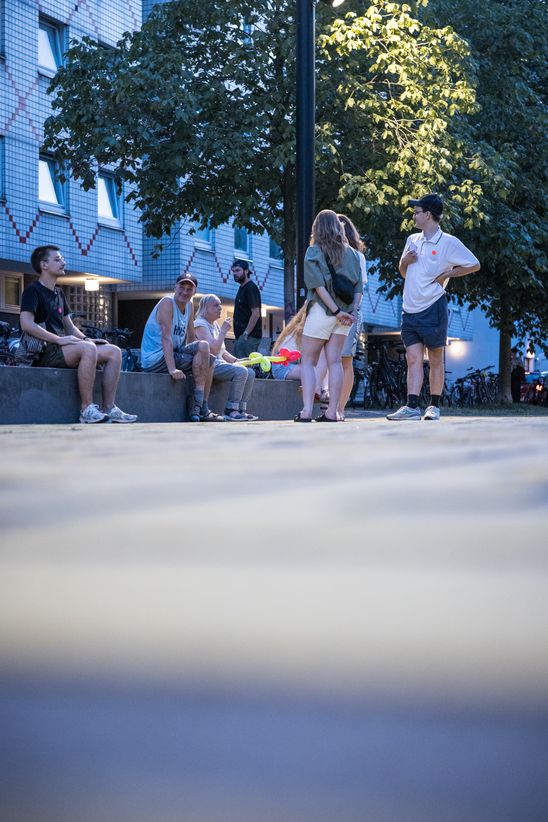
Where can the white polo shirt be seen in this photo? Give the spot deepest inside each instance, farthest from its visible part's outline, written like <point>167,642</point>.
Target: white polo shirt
<point>434,256</point>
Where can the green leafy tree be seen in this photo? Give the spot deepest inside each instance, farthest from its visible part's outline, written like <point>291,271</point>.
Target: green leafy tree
<point>197,115</point>
<point>508,41</point>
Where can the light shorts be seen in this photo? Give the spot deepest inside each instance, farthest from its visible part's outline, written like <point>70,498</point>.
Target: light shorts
<point>320,326</point>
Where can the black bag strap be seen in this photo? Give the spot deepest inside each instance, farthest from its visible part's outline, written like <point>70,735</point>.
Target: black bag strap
<point>329,264</point>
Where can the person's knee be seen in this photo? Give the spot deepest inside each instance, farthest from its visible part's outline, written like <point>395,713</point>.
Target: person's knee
<point>203,350</point>
<point>414,358</point>
<point>111,354</point>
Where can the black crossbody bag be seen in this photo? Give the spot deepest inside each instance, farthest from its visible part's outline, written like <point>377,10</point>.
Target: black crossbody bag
<point>343,288</point>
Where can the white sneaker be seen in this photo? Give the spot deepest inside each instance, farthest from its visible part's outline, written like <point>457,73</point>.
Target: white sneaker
<point>117,415</point>
<point>432,413</point>
<point>92,414</point>
<point>405,413</point>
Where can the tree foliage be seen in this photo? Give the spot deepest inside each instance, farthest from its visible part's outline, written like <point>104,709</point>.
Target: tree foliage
<point>509,46</point>
<point>197,115</point>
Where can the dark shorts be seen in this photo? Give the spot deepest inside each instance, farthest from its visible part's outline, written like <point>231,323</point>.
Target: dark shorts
<point>428,327</point>
<point>52,357</point>
<point>183,360</point>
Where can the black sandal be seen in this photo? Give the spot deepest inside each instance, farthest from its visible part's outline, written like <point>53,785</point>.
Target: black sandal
<point>324,418</point>
<point>298,418</point>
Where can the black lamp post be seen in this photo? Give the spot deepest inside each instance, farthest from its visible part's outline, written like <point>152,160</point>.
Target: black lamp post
<point>306,93</point>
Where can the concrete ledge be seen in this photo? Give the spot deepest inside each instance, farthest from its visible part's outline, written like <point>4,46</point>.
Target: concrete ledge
<point>50,395</point>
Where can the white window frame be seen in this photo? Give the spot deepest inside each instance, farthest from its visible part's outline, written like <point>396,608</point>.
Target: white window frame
<point>241,252</point>
<point>55,39</point>
<point>204,238</point>
<point>276,260</point>
<point>60,206</point>
<point>115,201</point>
<point>9,307</point>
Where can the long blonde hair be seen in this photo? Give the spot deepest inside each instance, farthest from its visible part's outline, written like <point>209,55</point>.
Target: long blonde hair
<point>328,234</point>
<point>204,303</point>
<point>351,232</point>
<point>294,328</point>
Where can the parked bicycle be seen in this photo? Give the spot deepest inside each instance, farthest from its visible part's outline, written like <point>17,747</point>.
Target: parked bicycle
<point>120,337</point>
<point>479,387</point>
<point>9,339</point>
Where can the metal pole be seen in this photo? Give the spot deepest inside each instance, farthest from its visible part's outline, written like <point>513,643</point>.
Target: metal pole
<point>306,89</point>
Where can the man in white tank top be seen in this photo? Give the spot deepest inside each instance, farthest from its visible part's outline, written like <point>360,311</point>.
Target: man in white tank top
<point>170,346</point>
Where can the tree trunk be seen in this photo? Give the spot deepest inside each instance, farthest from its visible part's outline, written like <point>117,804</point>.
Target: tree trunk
<point>505,354</point>
<point>289,244</point>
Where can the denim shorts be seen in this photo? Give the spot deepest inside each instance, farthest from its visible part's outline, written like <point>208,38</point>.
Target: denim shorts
<point>428,327</point>
<point>183,360</point>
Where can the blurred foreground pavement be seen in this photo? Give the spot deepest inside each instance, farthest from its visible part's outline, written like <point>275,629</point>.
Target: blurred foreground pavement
<point>270,622</point>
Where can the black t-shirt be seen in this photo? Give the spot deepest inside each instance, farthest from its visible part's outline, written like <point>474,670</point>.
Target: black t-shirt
<point>49,307</point>
<point>248,297</point>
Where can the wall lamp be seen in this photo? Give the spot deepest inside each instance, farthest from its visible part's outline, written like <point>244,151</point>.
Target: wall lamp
<point>91,284</point>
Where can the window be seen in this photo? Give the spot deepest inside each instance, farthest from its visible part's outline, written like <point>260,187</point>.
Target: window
<point>2,168</point>
<point>51,191</point>
<point>241,241</point>
<point>11,289</point>
<point>275,252</point>
<point>108,201</point>
<point>203,237</point>
<point>50,53</point>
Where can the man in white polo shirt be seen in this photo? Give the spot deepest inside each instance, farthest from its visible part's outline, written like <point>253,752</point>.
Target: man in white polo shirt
<point>429,260</point>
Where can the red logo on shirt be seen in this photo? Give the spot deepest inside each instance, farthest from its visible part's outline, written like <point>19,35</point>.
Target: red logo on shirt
<point>434,252</point>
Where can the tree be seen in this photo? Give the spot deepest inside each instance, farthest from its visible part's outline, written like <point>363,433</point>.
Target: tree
<point>508,42</point>
<point>197,115</point>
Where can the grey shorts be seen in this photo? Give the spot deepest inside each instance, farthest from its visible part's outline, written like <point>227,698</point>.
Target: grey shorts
<point>183,360</point>
<point>351,342</point>
<point>428,327</point>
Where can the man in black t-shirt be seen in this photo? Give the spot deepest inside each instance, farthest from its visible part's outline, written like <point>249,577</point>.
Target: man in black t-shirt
<point>45,314</point>
<point>247,311</point>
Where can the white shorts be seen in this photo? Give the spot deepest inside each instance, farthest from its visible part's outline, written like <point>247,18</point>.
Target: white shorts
<point>320,326</point>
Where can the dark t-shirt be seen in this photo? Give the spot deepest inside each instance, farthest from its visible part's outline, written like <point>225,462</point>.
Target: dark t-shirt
<point>248,297</point>
<point>49,307</point>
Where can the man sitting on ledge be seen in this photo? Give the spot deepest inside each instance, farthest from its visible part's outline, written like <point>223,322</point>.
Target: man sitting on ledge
<point>169,346</point>
<point>45,314</point>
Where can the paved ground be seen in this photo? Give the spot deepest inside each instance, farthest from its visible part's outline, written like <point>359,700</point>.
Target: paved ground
<point>275,622</point>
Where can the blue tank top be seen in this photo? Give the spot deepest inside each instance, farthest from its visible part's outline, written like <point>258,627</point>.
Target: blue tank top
<point>151,346</point>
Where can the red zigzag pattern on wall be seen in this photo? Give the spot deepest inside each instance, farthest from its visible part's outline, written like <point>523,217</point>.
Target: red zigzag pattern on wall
<point>22,236</point>
<point>225,277</point>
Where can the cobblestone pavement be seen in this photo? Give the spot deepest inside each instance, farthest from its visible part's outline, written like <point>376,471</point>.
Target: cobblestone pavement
<point>275,622</point>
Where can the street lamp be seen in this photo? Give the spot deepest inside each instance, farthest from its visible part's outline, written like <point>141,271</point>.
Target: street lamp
<point>306,94</point>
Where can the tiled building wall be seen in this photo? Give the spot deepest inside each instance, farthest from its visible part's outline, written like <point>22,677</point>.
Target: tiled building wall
<point>24,105</point>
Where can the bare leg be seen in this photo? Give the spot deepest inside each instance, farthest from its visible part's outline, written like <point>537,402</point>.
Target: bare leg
<point>333,349</point>
<point>310,352</point>
<point>111,357</point>
<point>321,373</point>
<point>415,370</point>
<point>83,356</point>
<point>348,382</point>
<point>201,370</point>
<point>437,370</point>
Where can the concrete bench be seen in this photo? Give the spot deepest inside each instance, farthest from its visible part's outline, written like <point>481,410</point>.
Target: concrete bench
<point>50,395</point>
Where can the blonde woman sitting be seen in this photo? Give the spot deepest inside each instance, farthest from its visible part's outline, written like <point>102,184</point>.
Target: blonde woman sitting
<point>291,337</point>
<point>226,368</point>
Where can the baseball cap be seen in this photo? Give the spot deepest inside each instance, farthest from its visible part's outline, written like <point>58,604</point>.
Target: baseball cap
<point>189,277</point>
<point>240,264</point>
<point>430,202</point>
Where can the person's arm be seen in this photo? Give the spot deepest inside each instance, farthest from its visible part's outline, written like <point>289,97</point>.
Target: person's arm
<point>344,317</point>
<point>215,345</point>
<point>190,332</point>
<point>457,271</point>
<point>461,262</point>
<point>255,314</point>
<point>164,315</point>
<point>408,257</point>
<point>28,324</point>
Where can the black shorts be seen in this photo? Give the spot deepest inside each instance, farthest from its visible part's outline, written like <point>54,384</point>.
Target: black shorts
<point>428,327</point>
